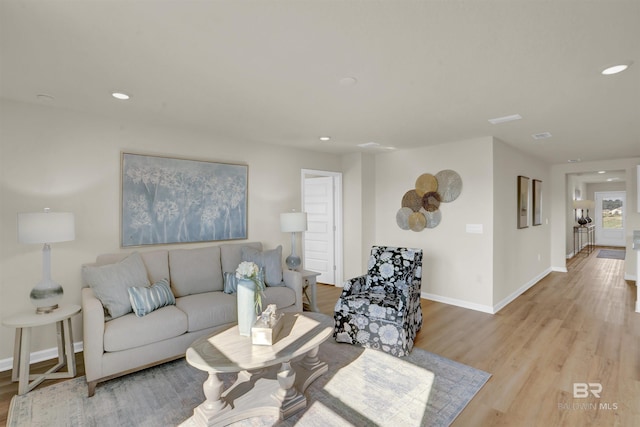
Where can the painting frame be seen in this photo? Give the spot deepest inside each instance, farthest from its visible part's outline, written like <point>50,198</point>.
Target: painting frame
<point>536,208</point>
<point>523,202</point>
<point>172,200</point>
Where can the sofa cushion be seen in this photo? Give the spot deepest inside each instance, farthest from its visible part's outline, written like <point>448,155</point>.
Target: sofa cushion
<point>110,283</point>
<point>145,300</point>
<point>280,296</point>
<point>194,271</point>
<point>271,260</point>
<point>208,309</point>
<point>156,262</point>
<point>130,331</point>
<point>231,254</point>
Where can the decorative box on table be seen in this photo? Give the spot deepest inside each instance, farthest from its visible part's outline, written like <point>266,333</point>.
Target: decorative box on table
<point>266,329</point>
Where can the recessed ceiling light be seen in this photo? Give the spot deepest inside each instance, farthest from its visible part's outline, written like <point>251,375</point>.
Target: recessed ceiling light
<point>574,160</point>
<point>615,69</point>
<point>542,135</point>
<point>368,145</point>
<point>602,171</point>
<point>348,81</point>
<point>505,119</point>
<point>325,138</point>
<point>120,95</point>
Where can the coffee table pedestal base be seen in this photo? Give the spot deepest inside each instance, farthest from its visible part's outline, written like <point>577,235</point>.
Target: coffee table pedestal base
<point>275,391</point>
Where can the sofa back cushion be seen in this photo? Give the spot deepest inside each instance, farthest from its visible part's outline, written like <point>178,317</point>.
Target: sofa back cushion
<point>156,262</point>
<point>231,254</point>
<point>194,271</point>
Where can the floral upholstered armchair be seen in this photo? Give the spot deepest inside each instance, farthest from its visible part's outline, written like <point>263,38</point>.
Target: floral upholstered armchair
<point>381,309</point>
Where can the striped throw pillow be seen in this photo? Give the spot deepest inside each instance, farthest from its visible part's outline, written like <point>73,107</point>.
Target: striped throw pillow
<point>144,300</point>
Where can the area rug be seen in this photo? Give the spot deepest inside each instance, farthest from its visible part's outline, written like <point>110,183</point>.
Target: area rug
<point>612,253</point>
<point>362,387</point>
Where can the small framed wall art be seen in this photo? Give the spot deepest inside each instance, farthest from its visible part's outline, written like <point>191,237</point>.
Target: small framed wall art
<point>523,201</point>
<point>537,201</point>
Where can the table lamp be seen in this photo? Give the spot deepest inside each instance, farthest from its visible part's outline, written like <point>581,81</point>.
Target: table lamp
<point>582,205</point>
<point>293,222</point>
<point>46,227</point>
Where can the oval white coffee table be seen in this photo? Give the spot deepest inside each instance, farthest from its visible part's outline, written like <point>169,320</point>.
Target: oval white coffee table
<point>269,383</point>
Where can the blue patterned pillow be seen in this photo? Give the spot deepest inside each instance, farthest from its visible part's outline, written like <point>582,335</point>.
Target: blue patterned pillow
<point>231,281</point>
<point>144,300</point>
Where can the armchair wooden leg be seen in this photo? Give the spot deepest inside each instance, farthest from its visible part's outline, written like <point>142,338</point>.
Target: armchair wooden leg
<point>91,387</point>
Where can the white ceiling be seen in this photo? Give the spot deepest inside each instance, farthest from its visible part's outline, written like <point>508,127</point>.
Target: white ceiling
<point>428,72</point>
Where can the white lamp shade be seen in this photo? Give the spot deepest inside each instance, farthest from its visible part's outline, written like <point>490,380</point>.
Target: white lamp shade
<point>46,227</point>
<point>581,204</point>
<point>292,222</point>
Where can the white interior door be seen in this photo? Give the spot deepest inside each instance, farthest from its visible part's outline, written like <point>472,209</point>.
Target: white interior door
<point>610,218</point>
<point>322,242</point>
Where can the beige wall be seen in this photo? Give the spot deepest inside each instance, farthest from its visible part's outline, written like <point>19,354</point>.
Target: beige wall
<point>560,231</point>
<point>520,256</point>
<point>71,162</point>
<point>359,211</point>
<point>457,266</point>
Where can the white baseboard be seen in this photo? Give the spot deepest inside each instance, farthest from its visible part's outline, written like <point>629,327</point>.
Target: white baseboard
<point>631,277</point>
<point>39,356</point>
<point>487,308</point>
<point>560,269</point>
<point>522,289</point>
<point>458,302</point>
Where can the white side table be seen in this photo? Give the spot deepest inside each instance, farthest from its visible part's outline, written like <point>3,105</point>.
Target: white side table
<point>309,283</point>
<point>21,353</point>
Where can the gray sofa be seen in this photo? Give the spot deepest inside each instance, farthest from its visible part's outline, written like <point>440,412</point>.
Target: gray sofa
<point>115,347</point>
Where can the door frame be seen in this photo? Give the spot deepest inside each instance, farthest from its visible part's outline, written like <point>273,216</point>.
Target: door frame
<point>337,215</point>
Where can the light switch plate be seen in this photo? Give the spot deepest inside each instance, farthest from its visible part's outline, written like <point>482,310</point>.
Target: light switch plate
<point>474,228</point>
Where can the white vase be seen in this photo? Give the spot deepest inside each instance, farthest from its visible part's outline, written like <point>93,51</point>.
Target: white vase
<point>246,306</point>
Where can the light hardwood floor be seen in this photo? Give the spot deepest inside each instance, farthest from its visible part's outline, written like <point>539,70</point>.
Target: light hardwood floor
<point>575,327</point>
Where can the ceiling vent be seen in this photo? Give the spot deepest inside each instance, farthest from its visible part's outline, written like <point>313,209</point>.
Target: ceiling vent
<point>505,119</point>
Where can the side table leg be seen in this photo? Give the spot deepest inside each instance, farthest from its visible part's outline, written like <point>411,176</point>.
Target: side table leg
<point>60,330</point>
<point>71,359</point>
<point>312,284</point>
<point>25,356</point>
<point>16,355</point>
<point>213,404</point>
<point>292,400</point>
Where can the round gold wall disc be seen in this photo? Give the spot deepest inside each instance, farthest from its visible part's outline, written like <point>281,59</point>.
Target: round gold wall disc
<point>426,183</point>
<point>417,221</point>
<point>412,200</point>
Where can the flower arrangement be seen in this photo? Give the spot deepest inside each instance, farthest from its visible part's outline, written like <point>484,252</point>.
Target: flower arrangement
<point>250,271</point>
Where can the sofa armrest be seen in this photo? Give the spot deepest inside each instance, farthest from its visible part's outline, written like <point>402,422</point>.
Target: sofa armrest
<point>92,334</point>
<point>293,279</point>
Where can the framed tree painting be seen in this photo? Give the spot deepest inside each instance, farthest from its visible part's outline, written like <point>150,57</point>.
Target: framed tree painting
<point>171,200</point>
<point>523,202</point>
<point>536,185</point>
